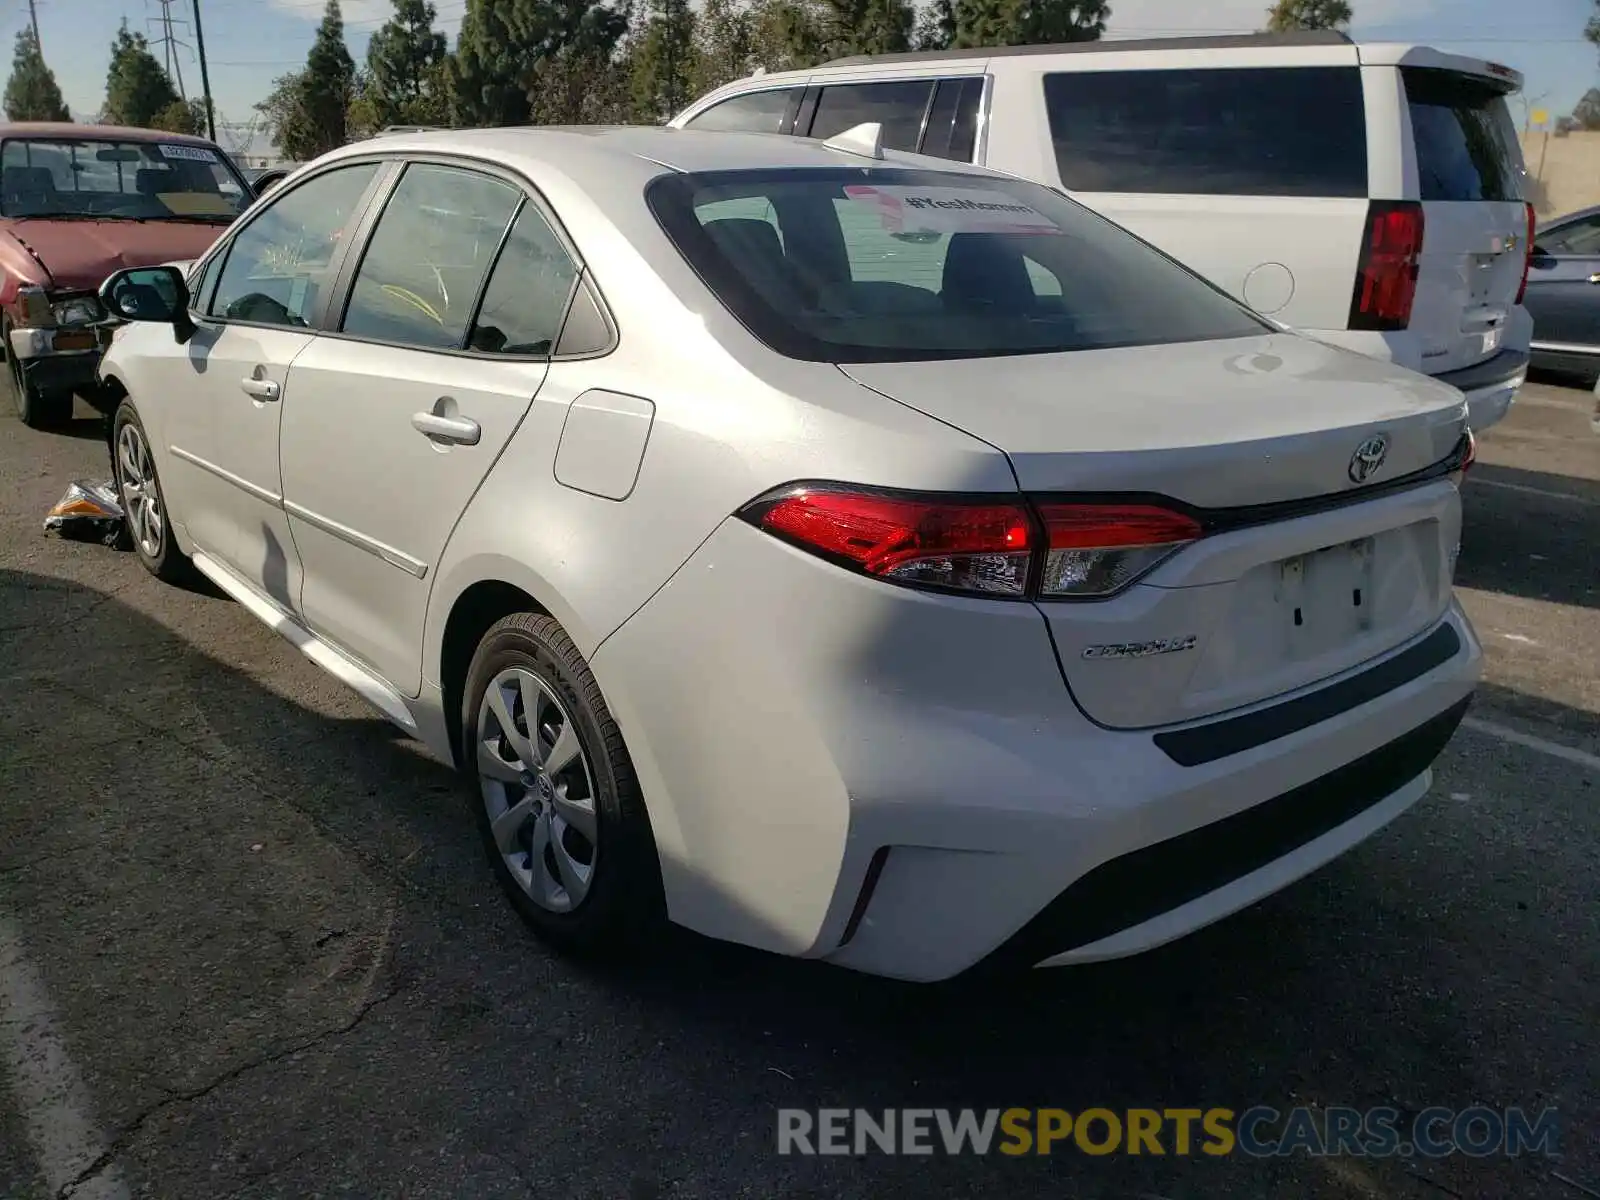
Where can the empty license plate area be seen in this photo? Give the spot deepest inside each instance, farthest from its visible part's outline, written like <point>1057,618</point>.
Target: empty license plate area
<point>1327,596</point>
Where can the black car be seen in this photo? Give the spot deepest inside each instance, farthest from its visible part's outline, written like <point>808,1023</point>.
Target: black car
<point>1564,294</point>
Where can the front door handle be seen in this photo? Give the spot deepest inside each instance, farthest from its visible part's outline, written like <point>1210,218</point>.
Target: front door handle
<point>1595,278</point>
<point>261,389</point>
<point>462,430</point>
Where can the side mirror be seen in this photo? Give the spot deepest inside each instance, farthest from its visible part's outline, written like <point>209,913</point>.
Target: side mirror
<point>153,294</point>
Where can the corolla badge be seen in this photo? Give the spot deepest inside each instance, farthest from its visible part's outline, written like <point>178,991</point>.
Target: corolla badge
<point>1171,645</point>
<point>1368,458</point>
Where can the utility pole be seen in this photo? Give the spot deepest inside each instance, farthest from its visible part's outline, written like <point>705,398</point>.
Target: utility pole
<point>205,77</point>
<point>33,15</point>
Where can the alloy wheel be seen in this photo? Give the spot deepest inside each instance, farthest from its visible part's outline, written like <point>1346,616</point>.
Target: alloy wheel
<point>537,789</point>
<point>141,497</point>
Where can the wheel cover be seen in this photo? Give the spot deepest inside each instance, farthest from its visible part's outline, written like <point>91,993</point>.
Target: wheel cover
<point>141,495</point>
<point>538,790</point>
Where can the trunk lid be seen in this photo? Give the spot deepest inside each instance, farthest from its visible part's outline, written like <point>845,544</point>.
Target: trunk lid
<point>1475,224</point>
<point>1271,606</point>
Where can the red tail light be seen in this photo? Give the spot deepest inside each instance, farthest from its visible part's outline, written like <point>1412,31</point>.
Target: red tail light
<point>978,546</point>
<point>1098,549</point>
<point>1386,283</point>
<point>1527,256</point>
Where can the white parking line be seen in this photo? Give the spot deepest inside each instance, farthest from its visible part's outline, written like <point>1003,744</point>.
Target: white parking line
<point>49,1093</point>
<point>1569,497</point>
<point>1527,741</point>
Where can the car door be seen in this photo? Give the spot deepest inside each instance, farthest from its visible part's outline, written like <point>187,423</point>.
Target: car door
<point>1564,286</point>
<point>269,291</point>
<point>397,418</point>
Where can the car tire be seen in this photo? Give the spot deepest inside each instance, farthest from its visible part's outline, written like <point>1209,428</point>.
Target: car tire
<point>144,506</point>
<point>36,409</point>
<point>571,846</point>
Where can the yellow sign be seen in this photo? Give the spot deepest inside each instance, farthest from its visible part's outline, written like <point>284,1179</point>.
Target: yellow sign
<point>1539,116</point>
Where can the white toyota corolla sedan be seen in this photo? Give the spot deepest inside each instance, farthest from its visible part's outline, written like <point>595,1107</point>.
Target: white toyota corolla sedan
<point>854,555</point>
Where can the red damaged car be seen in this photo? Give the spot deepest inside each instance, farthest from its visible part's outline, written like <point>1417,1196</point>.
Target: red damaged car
<point>78,202</point>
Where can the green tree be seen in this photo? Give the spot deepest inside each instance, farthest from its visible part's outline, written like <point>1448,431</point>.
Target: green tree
<point>404,82</point>
<point>503,44</point>
<point>869,26</point>
<point>1028,22</point>
<point>137,86</point>
<point>576,86</point>
<point>285,119</point>
<point>662,61</point>
<point>32,93</point>
<point>1586,114</point>
<point>326,86</point>
<point>1288,15</point>
<point>182,116</point>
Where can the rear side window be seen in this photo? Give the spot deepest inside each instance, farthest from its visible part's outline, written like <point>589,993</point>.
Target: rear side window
<point>885,265</point>
<point>952,130</point>
<point>898,107</point>
<point>753,112</point>
<point>1268,131</point>
<point>1466,142</point>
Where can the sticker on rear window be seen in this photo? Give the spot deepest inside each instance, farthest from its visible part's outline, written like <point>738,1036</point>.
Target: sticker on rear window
<point>193,153</point>
<point>949,210</point>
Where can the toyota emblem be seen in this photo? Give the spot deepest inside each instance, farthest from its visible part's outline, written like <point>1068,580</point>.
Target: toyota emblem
<point>1368,458</point>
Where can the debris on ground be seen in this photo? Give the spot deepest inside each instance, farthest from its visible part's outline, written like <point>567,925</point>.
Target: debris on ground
<point>89,512</point>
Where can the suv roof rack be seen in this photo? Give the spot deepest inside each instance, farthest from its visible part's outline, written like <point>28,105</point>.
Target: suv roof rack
<point>1227,41</point>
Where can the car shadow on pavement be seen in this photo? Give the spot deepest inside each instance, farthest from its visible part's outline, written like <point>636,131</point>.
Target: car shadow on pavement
<point>1396,976</point>
<point>1531,534</point>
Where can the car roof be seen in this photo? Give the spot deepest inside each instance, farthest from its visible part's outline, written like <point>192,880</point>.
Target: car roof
<point>1300,48</point>
<point>104,133</point>
<point>592,155</point>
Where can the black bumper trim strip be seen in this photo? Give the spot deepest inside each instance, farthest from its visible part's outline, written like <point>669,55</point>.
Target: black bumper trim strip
<point>1195,745</point>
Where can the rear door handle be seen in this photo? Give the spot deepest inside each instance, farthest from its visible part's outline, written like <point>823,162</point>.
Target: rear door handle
<point>261,389</point>
<point>1595,278</point>
<point>447,429</point>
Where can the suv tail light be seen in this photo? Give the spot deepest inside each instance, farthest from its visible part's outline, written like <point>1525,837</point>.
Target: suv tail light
<point>983,547</point>
<point>1527,257</point>
<point>1386,282</point>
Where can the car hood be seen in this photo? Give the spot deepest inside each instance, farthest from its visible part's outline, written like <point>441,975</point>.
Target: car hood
<point>80,254</point>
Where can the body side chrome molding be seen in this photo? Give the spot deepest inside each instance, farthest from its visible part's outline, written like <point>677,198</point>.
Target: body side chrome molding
<point>395,558</point>
<point>244,485</point>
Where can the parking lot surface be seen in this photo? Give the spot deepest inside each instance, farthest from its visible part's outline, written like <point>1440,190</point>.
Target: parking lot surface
<point>248,946</point>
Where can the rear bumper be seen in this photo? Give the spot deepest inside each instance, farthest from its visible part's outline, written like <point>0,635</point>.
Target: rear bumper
<point>1490,386</point>
<point>900,783</point>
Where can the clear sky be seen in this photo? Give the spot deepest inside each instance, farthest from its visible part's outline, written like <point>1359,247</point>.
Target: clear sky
<point>249,42</point>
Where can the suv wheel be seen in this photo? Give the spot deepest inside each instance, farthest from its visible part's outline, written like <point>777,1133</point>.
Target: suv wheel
<point>37,409</point>
<point>562,820</point>
<point>144,508</point>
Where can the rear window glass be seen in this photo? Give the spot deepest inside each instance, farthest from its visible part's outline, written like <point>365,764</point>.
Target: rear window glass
<point>1269,131</point>
<point>1466,142</point>
<point>875,265</point>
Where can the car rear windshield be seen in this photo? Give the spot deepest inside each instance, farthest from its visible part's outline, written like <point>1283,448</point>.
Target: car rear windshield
<point>1466,142</point>
<point>879,264</point>
<point>1262,131</point>
<point>136,181</point>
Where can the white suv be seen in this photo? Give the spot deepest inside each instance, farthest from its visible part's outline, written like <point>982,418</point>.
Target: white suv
<point>1367,195</point>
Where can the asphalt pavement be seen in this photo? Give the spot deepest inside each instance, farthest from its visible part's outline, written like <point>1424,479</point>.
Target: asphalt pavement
<point>248,947</point>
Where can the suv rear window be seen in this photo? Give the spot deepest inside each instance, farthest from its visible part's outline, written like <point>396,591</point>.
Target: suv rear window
<point>1466,142</point>
<point>1265,131</point>
<point>885,265</point>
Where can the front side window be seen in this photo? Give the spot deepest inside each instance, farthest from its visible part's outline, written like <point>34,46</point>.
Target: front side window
<point>279,264</point>
<point>1581,239</point>
<point>952,130</point>
<point>874,265</point>
<point>898,107</point>
<point>527,293</point>
<point>428,256</point>
<point>111,180</point>
<point>1465,139</point>
<point>1263,131</point>
<point>753,112</point>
